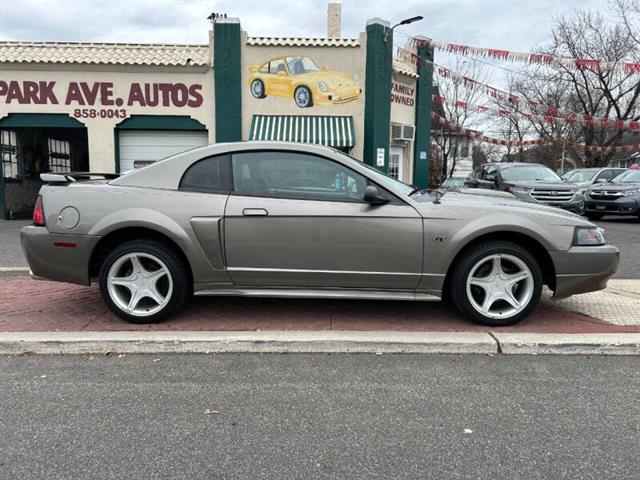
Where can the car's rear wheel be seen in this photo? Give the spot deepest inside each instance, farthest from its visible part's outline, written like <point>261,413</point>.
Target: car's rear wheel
<point>302,97</point>
<point>496,283</point>
<point>257,88</point>
<point>143,281</point>
<point>594,216</point>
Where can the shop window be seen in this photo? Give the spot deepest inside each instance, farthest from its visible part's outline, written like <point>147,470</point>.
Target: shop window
<point>59,156</point>
<point>9,152</point>
<point>464,149</point>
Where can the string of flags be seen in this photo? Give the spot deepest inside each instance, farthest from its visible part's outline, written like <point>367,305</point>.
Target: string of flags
<point>575,64</point>
<point>569,118</point>
<point>549,112</point>
<point>474,134</point>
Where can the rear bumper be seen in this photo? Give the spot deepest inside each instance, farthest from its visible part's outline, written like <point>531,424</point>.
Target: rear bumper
<point>62,264</point>
<point>584,269</point>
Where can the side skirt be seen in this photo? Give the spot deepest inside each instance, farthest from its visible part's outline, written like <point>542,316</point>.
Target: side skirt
<point>320,293</point>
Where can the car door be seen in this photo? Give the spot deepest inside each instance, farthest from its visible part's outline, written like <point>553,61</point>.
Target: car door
<point>279,81</point>
<point>299,220</point>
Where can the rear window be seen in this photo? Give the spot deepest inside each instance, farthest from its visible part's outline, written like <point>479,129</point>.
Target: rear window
<point>211,174</point>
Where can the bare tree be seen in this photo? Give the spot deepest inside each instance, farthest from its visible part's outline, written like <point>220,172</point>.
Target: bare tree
<point>629,13</point>
<point>599,93</point>
<point>449,142</point>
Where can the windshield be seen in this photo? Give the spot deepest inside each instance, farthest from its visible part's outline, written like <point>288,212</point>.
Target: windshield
<point>630,176</point>
<point>299,65</point>
<point>381,178</point>
<point>585,175</point>
<point>530,173</point>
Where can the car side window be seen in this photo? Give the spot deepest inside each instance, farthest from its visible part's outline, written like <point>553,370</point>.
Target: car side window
<point>277,66</point>
<point>607,175</point>
<point>488,171</point>
<point>211,175</point>
<point>295,175</point>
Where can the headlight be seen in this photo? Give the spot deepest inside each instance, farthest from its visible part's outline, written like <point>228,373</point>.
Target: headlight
<point>323,86</point>
<point>588,236</point>
<point>521,190</point>
<point>355,78</point>
<point>628,193</point>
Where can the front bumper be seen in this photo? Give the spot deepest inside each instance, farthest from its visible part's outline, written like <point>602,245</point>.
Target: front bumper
<point>59,263</point>
<point>584,269</point>
<point>619,206</point>
<point>338,96</point>
<point>576,205</point>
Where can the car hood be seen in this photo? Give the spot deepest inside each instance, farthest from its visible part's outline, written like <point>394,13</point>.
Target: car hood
<point>473,206</point>
<point>615,187</point>
<point>534,184</point>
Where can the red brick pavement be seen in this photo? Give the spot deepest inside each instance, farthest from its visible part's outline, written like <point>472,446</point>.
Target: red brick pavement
<point>32,305</point>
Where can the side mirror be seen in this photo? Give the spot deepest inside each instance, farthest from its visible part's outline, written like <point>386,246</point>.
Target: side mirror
<point>373,196</point>
<point>491,178</point>
<point>602,180</point>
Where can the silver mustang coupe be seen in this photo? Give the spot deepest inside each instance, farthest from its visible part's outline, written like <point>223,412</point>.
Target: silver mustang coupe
<point>291,220</point>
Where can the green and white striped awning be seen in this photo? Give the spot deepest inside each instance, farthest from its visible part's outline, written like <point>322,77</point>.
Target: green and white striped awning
<point>318,129</point>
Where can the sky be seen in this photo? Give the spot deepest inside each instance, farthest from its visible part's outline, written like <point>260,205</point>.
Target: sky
<point>515,25</point>
<point>505,24</point>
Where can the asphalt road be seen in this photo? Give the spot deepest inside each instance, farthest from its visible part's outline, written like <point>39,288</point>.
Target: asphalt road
<point>623,232</point>
<point>320,416</point>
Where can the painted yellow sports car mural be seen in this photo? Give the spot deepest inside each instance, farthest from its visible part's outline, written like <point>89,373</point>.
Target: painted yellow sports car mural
<point>301,79</point>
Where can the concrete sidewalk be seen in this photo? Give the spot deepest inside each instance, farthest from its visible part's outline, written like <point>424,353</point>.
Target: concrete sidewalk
<point>55,318</point>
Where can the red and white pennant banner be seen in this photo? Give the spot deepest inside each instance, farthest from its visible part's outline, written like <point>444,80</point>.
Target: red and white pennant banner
<point>523,143</point>
<point>531,58</point>
<point>569,118</point>
<point>538,109</point>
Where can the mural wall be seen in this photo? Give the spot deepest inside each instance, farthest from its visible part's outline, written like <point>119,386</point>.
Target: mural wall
<point>304,83</point>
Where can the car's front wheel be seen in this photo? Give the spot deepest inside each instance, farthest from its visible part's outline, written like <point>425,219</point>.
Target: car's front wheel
<point>143,281</point>
<point>496,283</point>
<point>302,97</point>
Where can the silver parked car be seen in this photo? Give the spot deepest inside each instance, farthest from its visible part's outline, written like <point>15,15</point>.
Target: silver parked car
<point>292,220</point>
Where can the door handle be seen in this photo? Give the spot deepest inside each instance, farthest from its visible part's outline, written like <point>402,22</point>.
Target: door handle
<point>259,212</point>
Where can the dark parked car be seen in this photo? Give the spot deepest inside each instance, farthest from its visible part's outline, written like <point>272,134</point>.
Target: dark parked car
<point>584,178</point>
<point>619,197</point>
<point>530,182</point>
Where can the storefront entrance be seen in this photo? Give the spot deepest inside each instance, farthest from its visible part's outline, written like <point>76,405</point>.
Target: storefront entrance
<point>31,144</point>
<point>396,162</point>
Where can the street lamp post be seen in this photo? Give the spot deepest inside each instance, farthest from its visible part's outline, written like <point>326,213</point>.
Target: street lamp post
<point>406,21</point>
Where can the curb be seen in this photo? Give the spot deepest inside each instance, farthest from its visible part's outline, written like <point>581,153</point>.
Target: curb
<point>78,343</point>
<point>68,343</point>
<point>569,343</point>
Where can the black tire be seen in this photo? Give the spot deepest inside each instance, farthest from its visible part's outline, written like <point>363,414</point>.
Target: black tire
<point>594,216</point>
<point>257,89</point>
<point>462,269</point>
<point>177,270</point>
<point>302,96</point>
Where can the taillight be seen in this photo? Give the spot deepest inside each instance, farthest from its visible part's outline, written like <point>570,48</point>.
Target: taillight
<point>38,212</point>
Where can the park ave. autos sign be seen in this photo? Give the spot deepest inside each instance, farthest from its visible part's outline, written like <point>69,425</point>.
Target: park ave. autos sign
<point>110,103</point>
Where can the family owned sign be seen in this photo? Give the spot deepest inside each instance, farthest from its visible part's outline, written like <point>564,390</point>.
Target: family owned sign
<point>100,94</point>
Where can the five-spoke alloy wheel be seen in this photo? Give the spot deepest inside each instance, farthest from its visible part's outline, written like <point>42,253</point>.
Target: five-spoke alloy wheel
<point>142,281</point>
<point>496,283</point>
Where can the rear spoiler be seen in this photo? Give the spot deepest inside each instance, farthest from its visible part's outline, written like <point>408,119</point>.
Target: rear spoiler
<point>69,177</point>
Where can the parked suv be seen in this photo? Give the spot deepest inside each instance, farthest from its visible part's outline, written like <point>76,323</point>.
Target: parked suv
<point>584,178</point>
<point>619,197</point>
<point>530,182</point>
